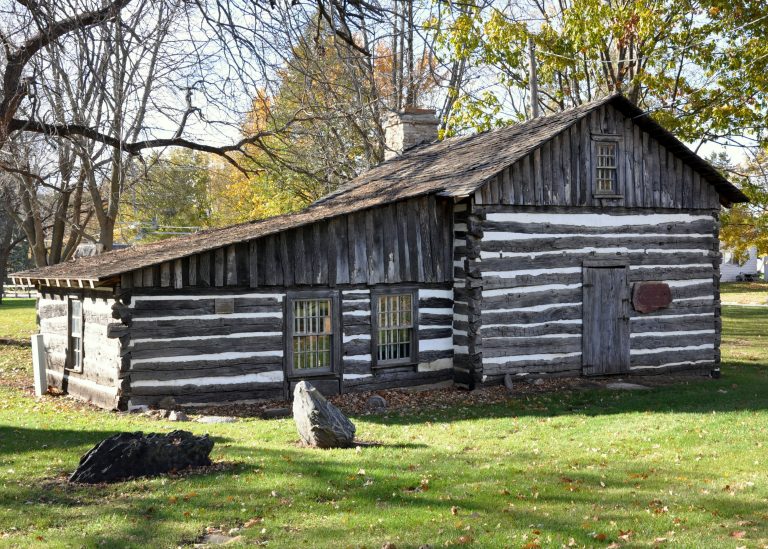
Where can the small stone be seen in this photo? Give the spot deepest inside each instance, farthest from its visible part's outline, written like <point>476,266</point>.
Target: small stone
<point>140,409</point>
<point>217,538</point>
<point>623,386</point>
<point>376,403</point>
<point>271,413</point>
<point>168,403</point>
<point>216,419</point>
<point>508,382</point>
<point>319,422</point>
<point>177,415</point>
<point>538,381</point>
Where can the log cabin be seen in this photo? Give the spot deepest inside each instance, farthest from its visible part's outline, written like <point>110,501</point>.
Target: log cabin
<point>584,243</point>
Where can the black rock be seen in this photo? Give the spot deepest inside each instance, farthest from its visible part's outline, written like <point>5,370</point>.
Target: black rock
<point>130,455</point>
<point>318,421</point>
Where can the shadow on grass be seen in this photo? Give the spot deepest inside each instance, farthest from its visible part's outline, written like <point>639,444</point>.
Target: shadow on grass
<point>19,440</point>
<point>12,303</point>
<point>386,493</point>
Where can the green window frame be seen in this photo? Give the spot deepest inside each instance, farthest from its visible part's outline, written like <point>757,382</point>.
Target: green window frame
<point>394,319</point>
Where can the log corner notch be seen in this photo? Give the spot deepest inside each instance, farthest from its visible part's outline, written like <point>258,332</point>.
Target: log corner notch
<point>122,331</point>
<point>474,293</point>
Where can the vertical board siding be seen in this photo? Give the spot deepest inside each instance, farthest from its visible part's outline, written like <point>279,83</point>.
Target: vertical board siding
<point>99,380</point>
<point>407,241</point>
<point>559,173</point>
<point>532,287</point>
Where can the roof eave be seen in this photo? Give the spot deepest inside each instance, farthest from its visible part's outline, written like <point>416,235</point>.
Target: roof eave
<point>28,279</point>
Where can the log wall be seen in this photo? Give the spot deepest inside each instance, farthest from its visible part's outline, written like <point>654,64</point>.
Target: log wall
<point>99,381</point>
<point>531,268</point>
<point>181,347</point>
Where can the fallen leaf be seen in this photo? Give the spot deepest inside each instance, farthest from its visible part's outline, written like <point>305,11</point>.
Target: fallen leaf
<point>252,522</point>
<point>738,534</point>
<point>600,537</point>
<point>454,510</point>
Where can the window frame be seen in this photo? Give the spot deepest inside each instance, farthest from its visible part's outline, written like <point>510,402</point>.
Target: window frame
<point>69,360</point>
<point>616,140</point>
<point>288,334</point>
<point>389,291</point>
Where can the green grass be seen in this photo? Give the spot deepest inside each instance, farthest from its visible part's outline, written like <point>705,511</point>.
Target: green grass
<point>17,318</point>
<point>682,466</point>
<point>745,293</point>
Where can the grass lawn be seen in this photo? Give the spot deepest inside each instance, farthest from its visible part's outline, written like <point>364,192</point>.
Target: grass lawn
<point>745,293</point>
<point>678,466</point>
<point>17,318</point>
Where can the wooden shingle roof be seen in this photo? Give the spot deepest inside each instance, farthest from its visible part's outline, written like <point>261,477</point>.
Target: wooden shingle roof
<point>453,167</point>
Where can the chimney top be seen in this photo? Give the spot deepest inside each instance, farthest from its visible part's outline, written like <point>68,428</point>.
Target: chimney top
<point>406,129</point>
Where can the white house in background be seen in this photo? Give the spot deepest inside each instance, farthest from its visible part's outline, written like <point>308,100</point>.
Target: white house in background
<point>731,270</point>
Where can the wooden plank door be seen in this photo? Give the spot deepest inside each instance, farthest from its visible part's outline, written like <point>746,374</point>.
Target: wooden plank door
<point>605,335</point>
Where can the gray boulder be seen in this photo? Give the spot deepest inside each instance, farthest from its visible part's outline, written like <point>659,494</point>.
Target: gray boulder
<point>509,383</point>
<point>376,403</point>
<point>318,421</point>
<point>130,455</point>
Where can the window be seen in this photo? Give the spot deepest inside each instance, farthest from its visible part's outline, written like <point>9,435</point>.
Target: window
<point>394,317</point>
<point>75,335</point>
<point>605,154</point>
<point>312,327</point>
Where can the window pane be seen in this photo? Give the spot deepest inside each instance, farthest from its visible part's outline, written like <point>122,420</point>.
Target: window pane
<point>312,334</point>
<point>395,327</point>
<point>606,166</point>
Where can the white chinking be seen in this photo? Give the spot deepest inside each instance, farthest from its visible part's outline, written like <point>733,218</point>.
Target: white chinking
<point>275,376</point>
<point>596,220</point>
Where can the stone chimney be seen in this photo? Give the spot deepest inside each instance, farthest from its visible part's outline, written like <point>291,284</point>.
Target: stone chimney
<point>406,129</point>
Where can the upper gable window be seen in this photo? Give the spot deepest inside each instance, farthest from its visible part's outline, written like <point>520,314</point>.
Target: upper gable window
<point>605,157</point>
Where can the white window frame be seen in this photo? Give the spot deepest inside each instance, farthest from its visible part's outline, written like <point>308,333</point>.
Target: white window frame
<point>74,359</point>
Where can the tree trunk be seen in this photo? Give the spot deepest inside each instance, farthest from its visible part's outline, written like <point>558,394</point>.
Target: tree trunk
<point>4,254</point>
<point>6,238</point>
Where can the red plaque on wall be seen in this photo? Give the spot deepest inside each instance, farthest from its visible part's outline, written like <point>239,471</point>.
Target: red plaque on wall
<point>651,296</point>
